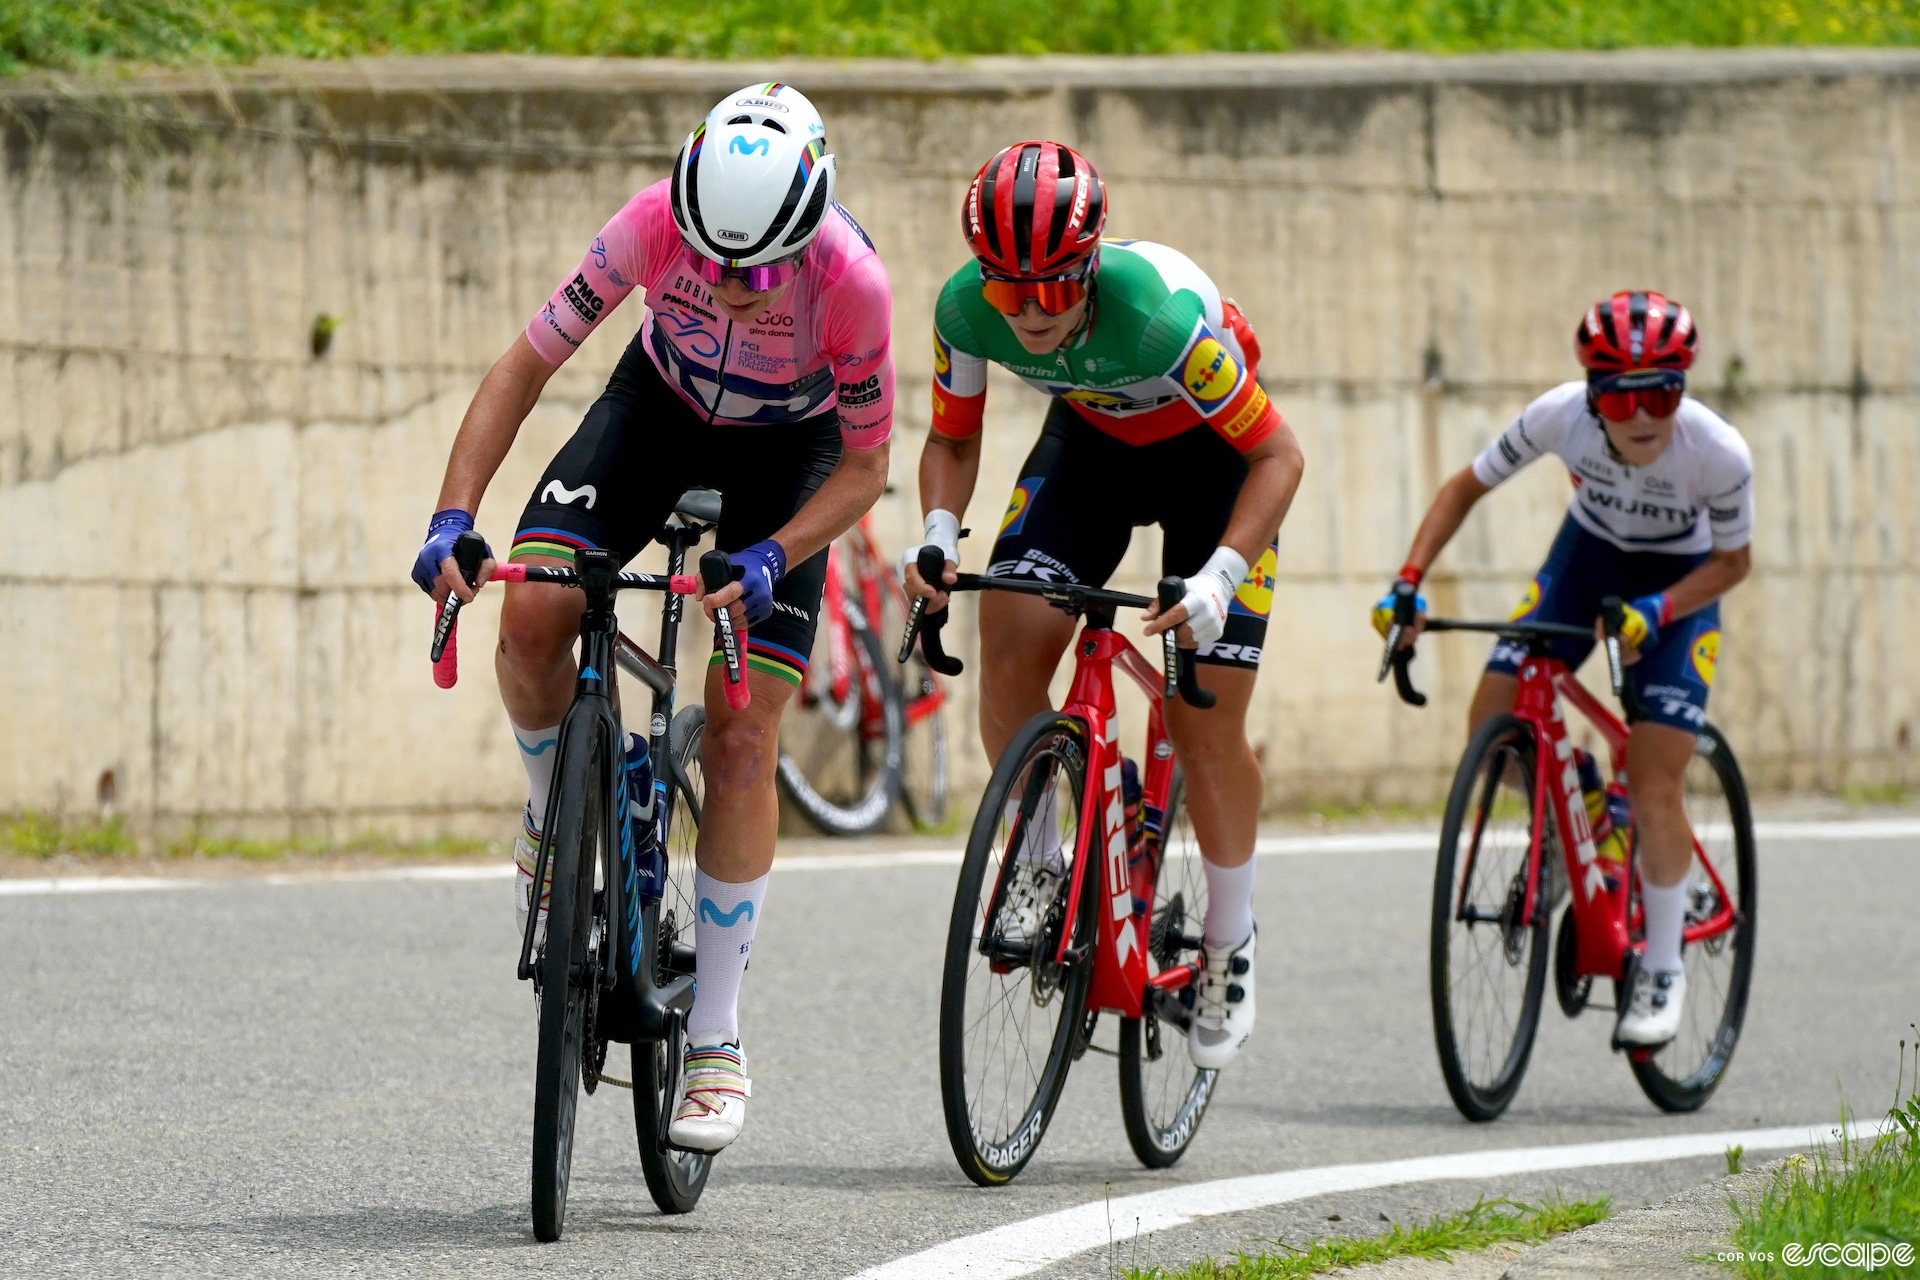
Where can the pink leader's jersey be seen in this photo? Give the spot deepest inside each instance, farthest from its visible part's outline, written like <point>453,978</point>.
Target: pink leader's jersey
<point>823,343</point>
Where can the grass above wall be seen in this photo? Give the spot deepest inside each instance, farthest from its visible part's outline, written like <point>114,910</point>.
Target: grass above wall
<point>78,33</point>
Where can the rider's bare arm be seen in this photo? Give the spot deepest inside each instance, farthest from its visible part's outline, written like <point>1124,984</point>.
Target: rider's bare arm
<point>1274,468</point>
<point>1722,572</point>
<point>506,396</point>
<point>949,469</point>
<point>1444,518</point>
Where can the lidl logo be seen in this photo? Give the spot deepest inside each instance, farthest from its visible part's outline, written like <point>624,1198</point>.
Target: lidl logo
<point>942,362</point>
<point>1019,504</point>
<point>1210,374</point>
<point>1706,656</point>
<point>1529,601</point>
<point>1255,594</point>
<point>740,146</point>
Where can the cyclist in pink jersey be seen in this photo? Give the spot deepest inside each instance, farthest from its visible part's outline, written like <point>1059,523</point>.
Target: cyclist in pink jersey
<point>760,368</point>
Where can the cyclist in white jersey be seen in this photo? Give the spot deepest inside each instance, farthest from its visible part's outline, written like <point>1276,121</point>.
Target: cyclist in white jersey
<point>1661,515</point>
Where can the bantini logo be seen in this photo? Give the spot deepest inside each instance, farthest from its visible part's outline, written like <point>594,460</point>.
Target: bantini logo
<point>557,492</point>
<point>740,146</point>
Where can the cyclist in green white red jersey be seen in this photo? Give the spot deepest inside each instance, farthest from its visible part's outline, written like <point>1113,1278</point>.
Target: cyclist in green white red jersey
<point>1157,417</point>
<point>762,368</point>
<point>1661,515</point>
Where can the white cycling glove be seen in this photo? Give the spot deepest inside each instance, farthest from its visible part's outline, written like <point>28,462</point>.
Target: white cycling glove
<point>1210,591</point>
<point>943,531</point>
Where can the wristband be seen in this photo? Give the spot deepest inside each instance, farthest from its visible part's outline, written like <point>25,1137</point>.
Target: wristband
<point>943,531</point>
<point>1412,573</point>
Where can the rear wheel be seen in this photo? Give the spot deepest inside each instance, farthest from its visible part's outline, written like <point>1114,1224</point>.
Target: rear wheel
<point>1009,1008</point>
<point>1162,1094</point>
<point>1682,1074</point>
<point>1488,960</point>
<point>675,1179</point>
<point>840,747</point>
<point>568,976</point>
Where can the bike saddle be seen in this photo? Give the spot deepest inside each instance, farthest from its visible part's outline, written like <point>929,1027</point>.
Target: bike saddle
<point>702,505</point>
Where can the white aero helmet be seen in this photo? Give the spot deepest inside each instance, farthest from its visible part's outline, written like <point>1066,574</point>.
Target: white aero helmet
<point>753,182</point>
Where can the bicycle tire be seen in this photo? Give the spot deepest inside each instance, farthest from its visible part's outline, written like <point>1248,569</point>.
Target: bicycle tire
<point>925,789</point>
<point>675,1179</point>
<point>856,805</point>
<point>1050,750</point>
<point>1699,1059</point>
<point>567,980</point>
<point>1501,743</point>
<point>1162,1106</point>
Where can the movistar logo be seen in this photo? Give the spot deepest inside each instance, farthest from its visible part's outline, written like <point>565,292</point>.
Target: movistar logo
<point>557,492</point>
<point>740,146</point>
<point>728,919</point>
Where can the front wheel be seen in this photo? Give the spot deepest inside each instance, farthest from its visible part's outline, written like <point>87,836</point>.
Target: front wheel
<point>1488,960</point>
<point>1009,1006</point>
<point>1162,1094</point>
<point>567,972</point>
<point>675,1178</point>
<point>1682,1074</point>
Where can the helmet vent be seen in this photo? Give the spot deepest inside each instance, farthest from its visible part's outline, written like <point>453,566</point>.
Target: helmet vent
<point>810,217</point>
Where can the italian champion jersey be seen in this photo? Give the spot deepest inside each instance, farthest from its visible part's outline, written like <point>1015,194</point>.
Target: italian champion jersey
<point>1697,496</point>
<point>1160,355</point>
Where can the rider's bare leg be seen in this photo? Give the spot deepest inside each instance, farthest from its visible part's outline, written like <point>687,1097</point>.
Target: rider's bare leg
<point>1657,757</point>
<point>1028,635</point>
<point>535,664</point>
<point>1223,789</point>
<point>1495,694</point>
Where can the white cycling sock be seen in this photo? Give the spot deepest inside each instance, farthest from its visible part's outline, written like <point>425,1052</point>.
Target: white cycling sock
<point>1666,918</point>
<point>723,931</point>
<point>1229,904</point>
<point>1040,842</point>
<point>538,750</point>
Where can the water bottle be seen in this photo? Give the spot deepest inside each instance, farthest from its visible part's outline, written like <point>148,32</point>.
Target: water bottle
<point>1613,852</point>
<point>640,832</point>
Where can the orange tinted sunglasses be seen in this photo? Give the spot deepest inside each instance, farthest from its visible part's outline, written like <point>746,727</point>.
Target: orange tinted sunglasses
<point>1618,406</point>
<point>1009,297</point>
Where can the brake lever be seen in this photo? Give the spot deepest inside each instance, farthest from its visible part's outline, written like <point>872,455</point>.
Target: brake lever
<point>1182,675</point>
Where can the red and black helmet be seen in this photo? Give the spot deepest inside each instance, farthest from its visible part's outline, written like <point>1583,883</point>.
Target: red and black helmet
<point>1034,211</point>
<point>1635,330</point>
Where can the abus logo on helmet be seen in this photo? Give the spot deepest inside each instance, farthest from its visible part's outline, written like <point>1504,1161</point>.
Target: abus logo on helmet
<point>733,235</point>
<point>767,103</point>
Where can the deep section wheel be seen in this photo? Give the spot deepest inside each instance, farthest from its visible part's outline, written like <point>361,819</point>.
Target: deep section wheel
<point>1488,960</point>
<point>1010,1007</point>
<point>1162,1094</point>
<point>675,1179</point>
<point>567,978</point>
<point>1682,1075</point>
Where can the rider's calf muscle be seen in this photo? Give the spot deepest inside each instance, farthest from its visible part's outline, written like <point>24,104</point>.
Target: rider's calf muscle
<point>534,663</point>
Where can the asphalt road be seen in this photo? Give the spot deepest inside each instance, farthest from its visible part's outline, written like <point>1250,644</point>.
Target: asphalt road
<point>336,1078</point>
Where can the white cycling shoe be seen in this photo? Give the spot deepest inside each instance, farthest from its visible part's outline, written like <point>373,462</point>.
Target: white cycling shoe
<point>1029,898</point>
<point>712,1103</point>
<point>1222,1005</point>
<point>1654,1005</point>
<point>526,853</point>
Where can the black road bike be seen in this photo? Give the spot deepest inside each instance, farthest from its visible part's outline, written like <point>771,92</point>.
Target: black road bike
<point>615,962</point>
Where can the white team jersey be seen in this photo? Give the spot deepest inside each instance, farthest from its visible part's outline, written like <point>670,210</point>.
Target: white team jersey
<point>1697,496</point>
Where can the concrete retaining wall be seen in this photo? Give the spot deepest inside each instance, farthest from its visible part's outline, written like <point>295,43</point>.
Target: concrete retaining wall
<point>204,528</point>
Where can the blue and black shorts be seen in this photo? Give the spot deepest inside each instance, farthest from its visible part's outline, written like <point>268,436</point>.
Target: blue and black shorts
<point>1671,681</point>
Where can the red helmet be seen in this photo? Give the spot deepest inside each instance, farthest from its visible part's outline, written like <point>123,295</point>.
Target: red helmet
<point>1034,211</point>
<point>1634,331</point>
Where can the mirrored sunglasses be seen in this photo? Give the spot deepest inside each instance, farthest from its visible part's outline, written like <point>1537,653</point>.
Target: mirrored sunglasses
<point>1010,296</point>
<point>760,278</point>
<point>1618,406</point>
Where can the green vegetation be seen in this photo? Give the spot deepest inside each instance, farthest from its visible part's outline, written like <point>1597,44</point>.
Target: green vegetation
<point>70,33</point>
<point>35,835</point>
<point>1886,793</point>
<point>1488,1222</point>
<point>1854,1192</point>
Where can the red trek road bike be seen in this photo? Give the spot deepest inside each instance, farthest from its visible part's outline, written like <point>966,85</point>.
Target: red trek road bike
<point>1516,798</point>
<point>1066,909</point>
<point>857,738</point>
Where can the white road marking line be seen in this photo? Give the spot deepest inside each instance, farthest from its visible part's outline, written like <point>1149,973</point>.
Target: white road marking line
<point>1267,846</point>
<point>87,884</point>
<point>1022,1248</point>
